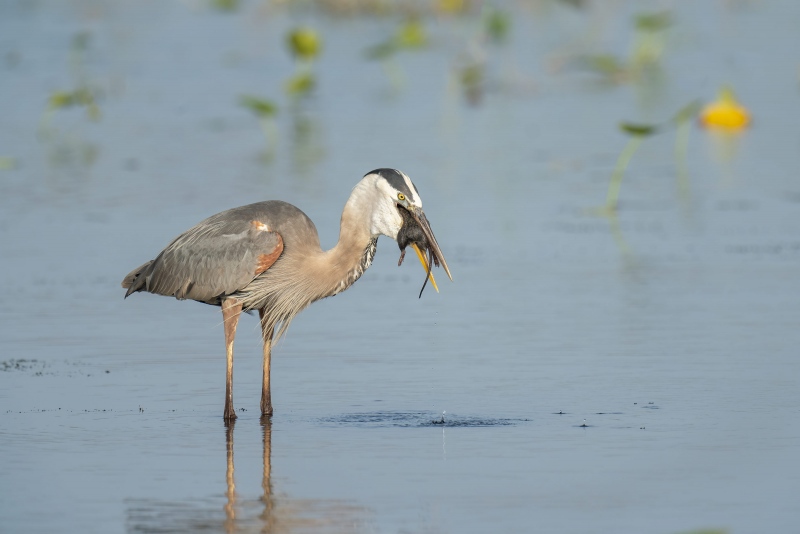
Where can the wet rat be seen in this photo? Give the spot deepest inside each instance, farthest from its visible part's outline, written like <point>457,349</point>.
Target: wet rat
<point>411,234</point>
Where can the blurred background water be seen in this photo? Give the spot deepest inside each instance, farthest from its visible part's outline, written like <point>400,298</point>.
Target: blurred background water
<point>607,363</point>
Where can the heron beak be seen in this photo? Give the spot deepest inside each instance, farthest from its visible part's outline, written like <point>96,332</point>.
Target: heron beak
<point>433,245</point>
<point>425,265</point>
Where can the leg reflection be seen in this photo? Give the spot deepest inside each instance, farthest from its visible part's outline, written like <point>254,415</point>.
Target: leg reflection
<point>230,491</point>
<point>267,515</point>
<point>266,511</point>
<point>267,519</point>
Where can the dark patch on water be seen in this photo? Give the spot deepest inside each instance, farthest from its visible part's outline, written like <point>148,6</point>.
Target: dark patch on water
<point>20,365</point>
<point>417,420</point>
<point>48,410</point>
<point>41,368</point>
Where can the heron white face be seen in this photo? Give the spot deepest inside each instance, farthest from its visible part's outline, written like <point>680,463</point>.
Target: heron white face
<point>392,188</point>
<point>391,205</point>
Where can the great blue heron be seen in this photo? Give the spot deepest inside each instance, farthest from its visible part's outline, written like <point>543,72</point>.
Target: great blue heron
<point>267,257</point>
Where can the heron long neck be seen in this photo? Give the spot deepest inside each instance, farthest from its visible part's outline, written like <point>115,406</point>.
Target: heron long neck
<point>305,274</point>
<point>352,255</point>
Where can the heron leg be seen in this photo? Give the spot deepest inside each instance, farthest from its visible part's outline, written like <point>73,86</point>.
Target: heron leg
<point>231,310</point>
<point>266,334</point>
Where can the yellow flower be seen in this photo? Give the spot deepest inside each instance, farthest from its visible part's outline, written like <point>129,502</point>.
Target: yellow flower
<point>725,112</point>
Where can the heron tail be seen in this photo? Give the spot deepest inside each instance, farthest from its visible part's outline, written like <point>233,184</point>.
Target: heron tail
<point>134,281</point>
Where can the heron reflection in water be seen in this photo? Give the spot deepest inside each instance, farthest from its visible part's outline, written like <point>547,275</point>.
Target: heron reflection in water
<point>267,257</point>
<point>270,512</point>
<point>279,513</point>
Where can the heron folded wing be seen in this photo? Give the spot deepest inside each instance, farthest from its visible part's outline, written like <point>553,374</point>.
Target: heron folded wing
<point>211,261</point>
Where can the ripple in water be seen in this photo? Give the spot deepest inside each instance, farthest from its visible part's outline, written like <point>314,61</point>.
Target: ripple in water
<point>417,420</point>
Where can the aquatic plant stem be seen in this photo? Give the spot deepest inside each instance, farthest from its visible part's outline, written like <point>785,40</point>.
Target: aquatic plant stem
<point>270,131</point>
<point>619,237</point>
<point>681,150</point>
<point>612,198</point>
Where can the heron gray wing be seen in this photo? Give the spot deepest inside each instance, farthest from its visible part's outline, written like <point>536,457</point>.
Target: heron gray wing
<point>217,257</point>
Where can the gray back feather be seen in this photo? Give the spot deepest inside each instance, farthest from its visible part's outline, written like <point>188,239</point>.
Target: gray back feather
<point>218,259</point>
<point>220,255</point>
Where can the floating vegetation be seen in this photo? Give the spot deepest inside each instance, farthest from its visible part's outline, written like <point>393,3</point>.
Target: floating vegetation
<point>7,163</point>
<point>650,37</point>
<point>261,107</point>
<point>473,73</point>
<point>451,7</point>
<point>265,110</point>
<point>609,66</point>
<point>410,35</point>
<point>225,5</point>
<point>643,61</point>
<point>67,149</point>
<point>305,45</point>
<point>438,8</point>
<point>496,24</point>
<point>85,94</point>
<point>472,78</point>
<point>638,132</point>
<point>301,83</point>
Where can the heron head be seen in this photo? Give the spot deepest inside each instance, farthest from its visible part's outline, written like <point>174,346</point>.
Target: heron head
<point>400,217</point>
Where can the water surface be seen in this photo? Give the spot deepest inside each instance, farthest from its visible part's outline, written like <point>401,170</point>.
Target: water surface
<point>637,374</point>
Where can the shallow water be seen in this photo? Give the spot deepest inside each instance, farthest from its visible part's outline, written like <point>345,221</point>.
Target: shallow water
<point>637,374</point>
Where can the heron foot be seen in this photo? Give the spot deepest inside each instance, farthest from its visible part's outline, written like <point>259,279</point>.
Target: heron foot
<point>266,398</point>
<point>230,413</point>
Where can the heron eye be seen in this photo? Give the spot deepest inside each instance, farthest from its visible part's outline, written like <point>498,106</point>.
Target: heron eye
<point>401,196</point>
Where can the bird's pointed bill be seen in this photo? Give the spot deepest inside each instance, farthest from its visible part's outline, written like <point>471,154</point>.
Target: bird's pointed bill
<point>425,265</point>
<point>433,246</point>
